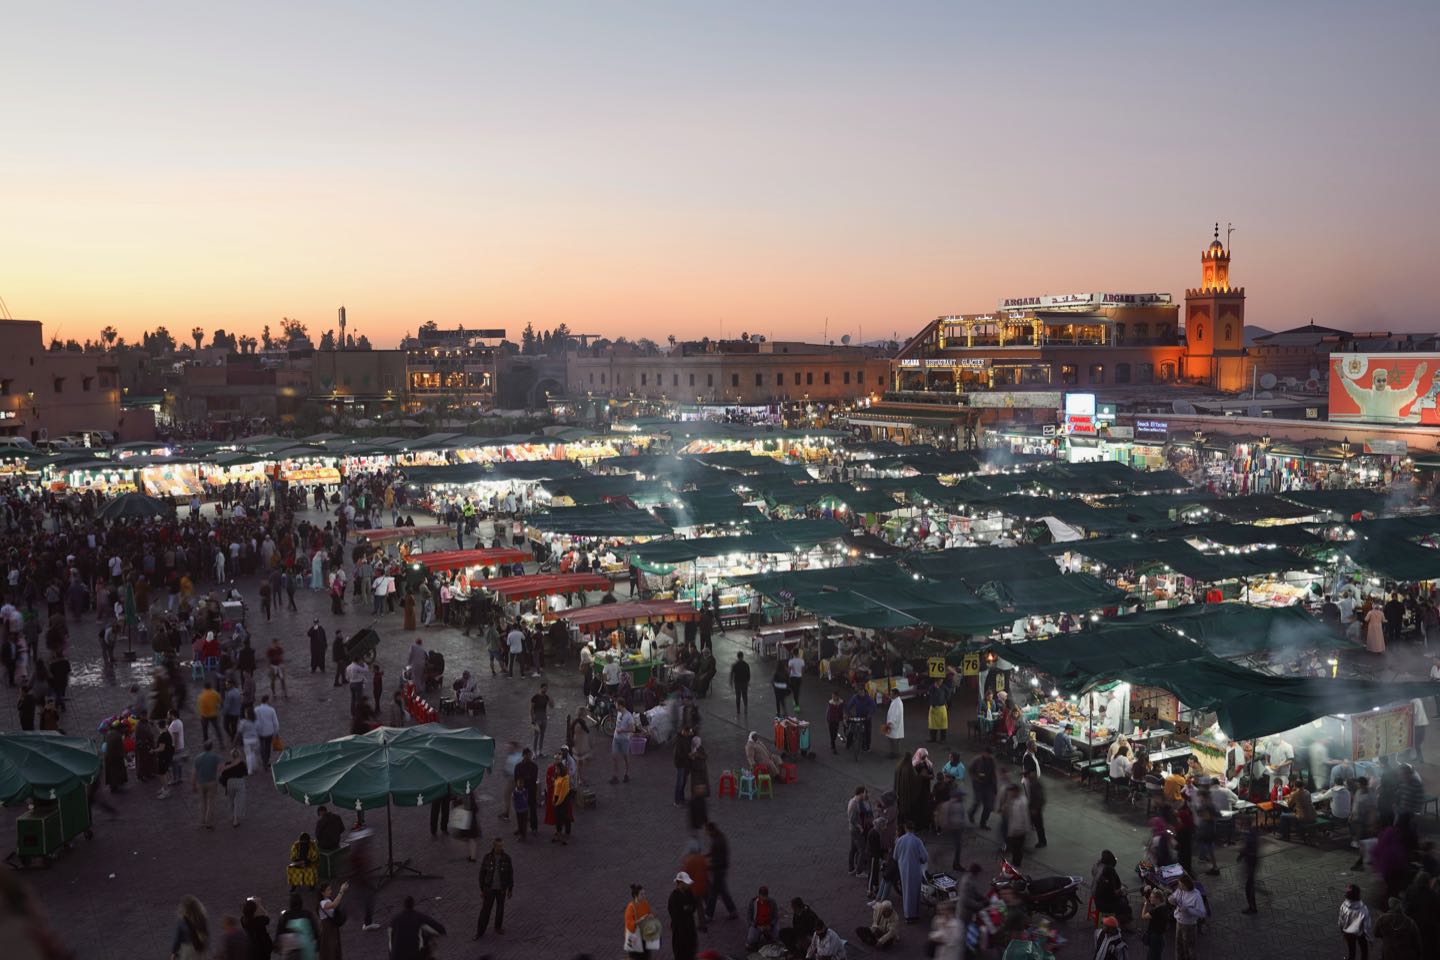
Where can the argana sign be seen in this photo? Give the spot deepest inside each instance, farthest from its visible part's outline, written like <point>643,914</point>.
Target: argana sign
<point>1385,387</point>
<point>1084,300</point>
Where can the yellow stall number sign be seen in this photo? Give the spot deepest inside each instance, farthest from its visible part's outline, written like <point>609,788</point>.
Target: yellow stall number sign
<point>937,667</point>
<point>971,665</point>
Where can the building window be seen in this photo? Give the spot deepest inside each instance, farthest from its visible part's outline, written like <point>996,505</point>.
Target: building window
<point>1167,371</point>
<point>1097,373</point>
<point>860,376</point>
<point>1229,332</point>
<point>1069,373</point>
<point>709,379</point>
<point>797,378</point>
<point>827,378</point>
<point>1119,333</point>
<point>59,384</point>
<point>779,379</point>
<point>1199,331</point>
<point>735,380</point>
<point>809,378</point>
<point>592,377</point>
<point>86,383</point>
<point>1142,330</point>
<point>847,376</point>
<point>602,379</point>
<point>759,379</point>
<point>674,379</point>
<point>692,379</point>
<point>1122,373</point>
<point>1144,373</point>
<point>642,378</point>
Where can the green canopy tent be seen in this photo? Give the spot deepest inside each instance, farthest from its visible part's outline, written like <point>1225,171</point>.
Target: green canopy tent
<point>977,565</point>
<point>451,473</point>
<point>1075,592</point>
<point>389,766</point>
<point>708,508</point>
<point>1259,506</point>
<point>529,470</point>
<point>1247,535</point>
<point>41,764</point>
<point>1347,503</point>
<point>601,520</point>
<point>1395,557</point>
<point>1235,629</point>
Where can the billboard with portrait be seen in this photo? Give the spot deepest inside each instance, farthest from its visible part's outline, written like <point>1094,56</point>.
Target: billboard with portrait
<point>1385,387</point>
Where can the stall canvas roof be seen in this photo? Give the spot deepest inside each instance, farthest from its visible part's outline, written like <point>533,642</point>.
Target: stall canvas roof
<point>1261,506</point>
<point>977,565</point>
<point>1395,557</point>
<point>601,520</point>
<point>1245,535</point>
<point>1344,502</point>
<point>459,559</point>
<point>706,508</point>
<point>600,616</point>
<point>543,584</point>
<point>1235,629</point>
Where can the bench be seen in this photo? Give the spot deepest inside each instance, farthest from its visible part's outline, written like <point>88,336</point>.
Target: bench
<point>1321,828</point>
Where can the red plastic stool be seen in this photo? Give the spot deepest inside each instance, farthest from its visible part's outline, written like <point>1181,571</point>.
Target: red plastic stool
<point>789,773</point>
<point>726,786</point>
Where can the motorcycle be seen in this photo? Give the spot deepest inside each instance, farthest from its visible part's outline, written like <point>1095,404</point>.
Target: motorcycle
<point>1057,896</point>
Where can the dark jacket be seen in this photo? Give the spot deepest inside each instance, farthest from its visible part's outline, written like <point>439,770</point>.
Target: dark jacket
<point>492,862</point>
<point>719,852</point>
<point>405,934</point>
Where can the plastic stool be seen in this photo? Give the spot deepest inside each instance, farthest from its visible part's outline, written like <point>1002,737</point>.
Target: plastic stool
<point>726,784</point>
<point>747,786</point>
<point>764,786</point>
<point>789,773</point>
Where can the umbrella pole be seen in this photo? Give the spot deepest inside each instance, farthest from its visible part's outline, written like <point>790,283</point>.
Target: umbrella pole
<point>403,868</point>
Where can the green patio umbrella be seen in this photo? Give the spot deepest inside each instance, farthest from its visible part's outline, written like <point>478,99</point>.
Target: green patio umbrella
<point>135,506</point>
<point>389,766</point>
<point>42,764</point>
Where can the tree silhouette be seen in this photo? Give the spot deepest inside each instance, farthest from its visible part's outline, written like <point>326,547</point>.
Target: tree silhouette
<point>197,334</point>
<point>527,339</point>
<point>293,330</point>
<point>327,340</point>
<point>222,340</point>
<point>362,342</point>
<point>265,340</point>
<point>159,341</point>
<point>108,335</point>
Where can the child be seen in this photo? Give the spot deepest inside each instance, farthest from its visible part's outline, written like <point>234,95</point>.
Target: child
<point>521,801</point>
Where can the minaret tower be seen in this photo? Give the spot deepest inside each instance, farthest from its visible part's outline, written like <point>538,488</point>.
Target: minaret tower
<point>1215,323</point>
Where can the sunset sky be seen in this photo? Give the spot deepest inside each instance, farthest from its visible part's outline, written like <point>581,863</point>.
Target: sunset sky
<point>653,168</point>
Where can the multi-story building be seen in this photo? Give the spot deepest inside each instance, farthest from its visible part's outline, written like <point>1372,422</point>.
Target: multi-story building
<point>729,372</point>
<point>460,377</point>
<point>46,394</point>
<point>365,382</point>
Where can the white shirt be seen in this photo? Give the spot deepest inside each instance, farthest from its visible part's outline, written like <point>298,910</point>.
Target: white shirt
<point>1281,752</point>
<point>516,640</point>
<point>115,566</point>
<point>356,673</point>
<point>797,666</point>
<point>177,734</point>
<point>611,672</point>
<point>624,723</point>
<point>1119,767</point>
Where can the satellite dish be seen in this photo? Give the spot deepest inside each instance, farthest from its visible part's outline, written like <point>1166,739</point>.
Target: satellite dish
<point>1184,407</point>
<point>1312,384</point>
<point>1254,410</point>
<point>1291,382</point>
<point>845,340</point>
<point>1267,381</point>
<point>1266,395</point>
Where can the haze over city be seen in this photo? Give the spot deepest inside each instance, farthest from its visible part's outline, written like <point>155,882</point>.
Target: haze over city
<point>788,169</point>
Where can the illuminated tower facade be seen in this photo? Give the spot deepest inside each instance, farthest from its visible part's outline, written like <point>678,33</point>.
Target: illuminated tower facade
<point>1215,323</point>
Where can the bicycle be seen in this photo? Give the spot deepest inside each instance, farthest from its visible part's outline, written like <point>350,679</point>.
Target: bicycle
<point>852,731</point>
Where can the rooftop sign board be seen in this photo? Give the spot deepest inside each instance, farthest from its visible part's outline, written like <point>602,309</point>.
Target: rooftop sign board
<point>1087,300</point>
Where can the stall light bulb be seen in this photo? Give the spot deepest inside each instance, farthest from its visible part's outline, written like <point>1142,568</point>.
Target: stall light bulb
<point>1094,618</point>
<point>1054,692</point>
<point>1035,682</point>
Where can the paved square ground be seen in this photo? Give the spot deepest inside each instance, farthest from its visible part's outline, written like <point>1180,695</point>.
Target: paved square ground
<point>115,896</point>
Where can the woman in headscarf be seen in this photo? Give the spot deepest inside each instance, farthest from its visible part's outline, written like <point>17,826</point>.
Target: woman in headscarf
<point>1111,898</point>
<point>115,775</point>
<point>758,757</point>
<point>144,750</point>
<point>304,859</point>
<point>913,776</point>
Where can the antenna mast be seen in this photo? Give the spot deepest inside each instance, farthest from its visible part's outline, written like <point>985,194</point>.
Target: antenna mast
<point>1229,229</point>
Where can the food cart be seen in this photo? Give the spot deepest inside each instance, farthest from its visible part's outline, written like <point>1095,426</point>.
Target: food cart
<point>52,774</point>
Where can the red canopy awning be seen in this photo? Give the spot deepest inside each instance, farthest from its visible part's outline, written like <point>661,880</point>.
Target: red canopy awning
<point>614,614</point>
<point>406,533</point>
<point>543,585</point>
<point>458,559</point>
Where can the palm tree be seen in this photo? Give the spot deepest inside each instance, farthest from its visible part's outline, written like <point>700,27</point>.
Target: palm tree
<point>108,335</point>
<point>198,335</point>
